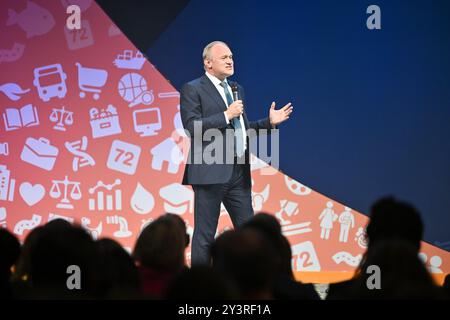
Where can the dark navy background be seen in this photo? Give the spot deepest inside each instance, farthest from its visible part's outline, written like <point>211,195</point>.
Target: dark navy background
<point>371,108</point>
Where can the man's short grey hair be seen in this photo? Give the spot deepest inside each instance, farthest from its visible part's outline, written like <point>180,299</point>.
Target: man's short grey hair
<point>207,50</point>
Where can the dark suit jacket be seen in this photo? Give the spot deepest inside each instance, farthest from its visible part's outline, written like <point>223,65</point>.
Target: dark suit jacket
<point>201,101</point>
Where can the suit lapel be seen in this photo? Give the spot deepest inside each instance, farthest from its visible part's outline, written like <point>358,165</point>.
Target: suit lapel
<point>212,91</point>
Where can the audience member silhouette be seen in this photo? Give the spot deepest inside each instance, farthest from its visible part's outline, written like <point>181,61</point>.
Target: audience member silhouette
<point>117,272</point>
<point>446,285</point>
<point>285,285</point>
<point>160,255</point>
<point>9,254</point>
<point>402,274</point>
<point>59,246</point>
<point>247,257</point>
<point>393,226</point>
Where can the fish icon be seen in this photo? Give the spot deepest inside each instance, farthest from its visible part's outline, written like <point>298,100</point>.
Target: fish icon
<point>12,91</point>
<point>34,20</point>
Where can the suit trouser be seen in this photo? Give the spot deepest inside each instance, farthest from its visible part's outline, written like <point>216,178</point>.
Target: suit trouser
<point>236,196</point>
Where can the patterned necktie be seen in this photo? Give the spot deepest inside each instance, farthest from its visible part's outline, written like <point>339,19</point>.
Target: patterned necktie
<point>238,135</point>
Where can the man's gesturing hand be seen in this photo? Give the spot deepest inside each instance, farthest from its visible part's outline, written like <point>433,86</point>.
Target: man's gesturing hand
<point>278,116</point>
<point>235,109</point>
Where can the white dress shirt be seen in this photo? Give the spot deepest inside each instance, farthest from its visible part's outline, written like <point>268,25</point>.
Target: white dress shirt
<point>221,90</point>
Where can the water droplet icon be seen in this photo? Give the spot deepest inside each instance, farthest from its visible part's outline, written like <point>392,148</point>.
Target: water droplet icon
<point>142,201</point>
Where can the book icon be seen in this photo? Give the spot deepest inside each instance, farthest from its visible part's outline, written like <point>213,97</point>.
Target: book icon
<point>17,118</point>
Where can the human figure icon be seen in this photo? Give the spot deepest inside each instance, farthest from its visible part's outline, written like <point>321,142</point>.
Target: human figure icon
<point>347,222</point>
<point>327,218</point>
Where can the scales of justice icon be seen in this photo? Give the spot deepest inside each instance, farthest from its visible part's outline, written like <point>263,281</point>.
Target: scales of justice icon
<point>75,192</point>
<point>62,117</point>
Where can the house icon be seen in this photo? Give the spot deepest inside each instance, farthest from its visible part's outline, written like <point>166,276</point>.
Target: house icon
<point>167,151</point>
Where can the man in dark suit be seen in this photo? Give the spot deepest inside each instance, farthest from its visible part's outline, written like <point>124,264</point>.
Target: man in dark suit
<point>218,167</point>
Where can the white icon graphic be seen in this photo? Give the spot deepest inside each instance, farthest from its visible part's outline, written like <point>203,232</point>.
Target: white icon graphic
<point>13,54</point>
<point>133,89</point>
<point>264,168</point>
<point>259,198</point>
<point>62,117</point>
<point>123,231</point>
<point>104,122</point>
<point>4,148</point>
<point>142,201</point>
<point>288,208</point>
<point>74,193</point>
<point>13,91</point>
<point>128,61</point>
<point>177,198</point>
<point>296,187</point>
<point>171,94</point>
<point>123,157</point>
<point>34,19</point>
<point>31,194</point>
<point>50,82</point>
<point>26,116</point>
<point>293,229</point>
<point>327,218</point>
<point>109,201</point>
<point>346,257</point>
<point>147,121</point>
<point>40,153</point>
<point>433,264</point>
<point>54,216</point>
<point>167,151</point>
<point>361,238</point>
<point>178,124</point>
<point>23,225</point>
<point>94,232</point>
<point>144,223</point>
<point>91,80</point>
<point>78,149</point>
<point>305,257</point>
<point>114,31</point>
<point>79,38</point>
<point>347,221</point>
<point>3,216</point>
<point>6,184</point>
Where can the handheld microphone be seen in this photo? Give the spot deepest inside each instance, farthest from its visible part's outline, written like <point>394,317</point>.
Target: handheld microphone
<point>234,89</point>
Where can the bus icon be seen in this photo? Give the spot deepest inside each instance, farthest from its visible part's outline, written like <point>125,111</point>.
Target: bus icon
<point>50,82</point>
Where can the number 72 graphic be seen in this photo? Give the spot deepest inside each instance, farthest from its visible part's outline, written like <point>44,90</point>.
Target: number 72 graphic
<point>305,257</point>
<point>123,157</point>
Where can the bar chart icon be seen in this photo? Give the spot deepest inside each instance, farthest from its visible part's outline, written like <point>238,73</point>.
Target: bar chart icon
<point>107,199</point>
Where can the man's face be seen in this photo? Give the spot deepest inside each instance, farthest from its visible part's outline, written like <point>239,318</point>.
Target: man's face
<point>220,63</point>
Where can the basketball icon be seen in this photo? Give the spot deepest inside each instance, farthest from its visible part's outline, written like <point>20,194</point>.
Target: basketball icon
<point>133,89</point>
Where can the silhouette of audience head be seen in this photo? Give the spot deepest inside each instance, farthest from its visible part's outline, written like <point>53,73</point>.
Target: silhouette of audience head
<point>402,274</point>
<point>446,285</point>
<point>285,285</point>
<point>161,245</point>
<point>182,225</point>
<point>58,246</point>
<point>23,269</point>
<point>247,257</point>
<point>390,218</point>
<point>118,275</point>
<point>271,228</point>
<point>9,253</point>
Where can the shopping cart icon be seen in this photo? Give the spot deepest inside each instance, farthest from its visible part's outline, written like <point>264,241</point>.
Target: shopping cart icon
<point>91,80</point>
